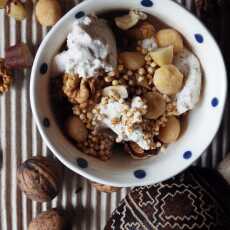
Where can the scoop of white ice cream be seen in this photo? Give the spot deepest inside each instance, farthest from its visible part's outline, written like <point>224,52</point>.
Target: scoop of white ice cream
<point>149,43</point>
<point>189,65</point>
<point>91,48</point>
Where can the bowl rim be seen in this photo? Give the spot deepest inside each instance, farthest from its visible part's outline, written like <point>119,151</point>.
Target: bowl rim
<point>60,156</point>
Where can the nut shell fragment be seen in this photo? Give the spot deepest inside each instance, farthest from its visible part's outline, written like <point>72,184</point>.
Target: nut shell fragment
<point>105,188</point>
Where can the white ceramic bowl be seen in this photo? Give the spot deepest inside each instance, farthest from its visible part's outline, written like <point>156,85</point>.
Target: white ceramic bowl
<point>203,123</point>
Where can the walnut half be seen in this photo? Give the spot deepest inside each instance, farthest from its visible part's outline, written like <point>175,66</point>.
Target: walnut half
<point>5,77</point>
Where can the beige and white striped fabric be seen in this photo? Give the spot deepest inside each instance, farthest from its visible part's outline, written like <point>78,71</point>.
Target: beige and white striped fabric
<point>20,140</point>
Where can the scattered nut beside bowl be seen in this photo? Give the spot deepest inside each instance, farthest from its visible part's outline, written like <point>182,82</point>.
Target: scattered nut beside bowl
<point>48,12</point>
<point>53,219</point>
<point>39,178</point>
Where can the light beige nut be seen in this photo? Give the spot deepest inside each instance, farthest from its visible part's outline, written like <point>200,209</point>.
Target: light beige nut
<point>171,131</point>
<point>16,9</point>
<point>156,105</point>
<point>48,12</point>
<point>40,178</point>
<point>162,56</point>
<point>142,31</point>
<point>127,21</point>
<point>105,188</point>
<point>83,93</point>
<point>120,90</point>
<point>166,37</point>
<point>76,129</point>
<point>168,79</point>
<point>132,60</point>
<point>5,77</point>
<point>2,4</point>
<point>50,220</point>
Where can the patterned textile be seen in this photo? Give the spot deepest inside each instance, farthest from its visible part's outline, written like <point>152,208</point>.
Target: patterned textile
<point>188,201</point>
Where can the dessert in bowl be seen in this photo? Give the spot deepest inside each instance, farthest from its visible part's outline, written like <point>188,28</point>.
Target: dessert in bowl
<point>128,74</point>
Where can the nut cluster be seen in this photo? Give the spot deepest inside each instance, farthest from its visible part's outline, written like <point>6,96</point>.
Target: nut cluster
<point>5,77</point>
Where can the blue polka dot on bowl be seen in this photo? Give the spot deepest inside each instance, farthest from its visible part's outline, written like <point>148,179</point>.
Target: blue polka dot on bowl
<point>140,174</point>
<point>214,102</point>
<point>187,155</point>
<point>199,38</point>
<point>82,163</point>
<point>147,3</point>
<point>79,14</point>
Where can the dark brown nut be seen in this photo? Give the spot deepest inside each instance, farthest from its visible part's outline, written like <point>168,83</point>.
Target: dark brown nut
<point>76,129</point>
<point>39,178</point>
<point>18,57</point>
<point>136,152</point>
<point>50,220</point>
<point>142,31</point>
<point>5,77</point>
<point>105,188</point>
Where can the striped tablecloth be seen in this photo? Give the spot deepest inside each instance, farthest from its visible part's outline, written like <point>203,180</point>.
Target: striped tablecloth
<point>20,138</point>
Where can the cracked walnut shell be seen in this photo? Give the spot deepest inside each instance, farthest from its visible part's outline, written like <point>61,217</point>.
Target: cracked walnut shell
<point>5,77</point>
<point>39,178</point>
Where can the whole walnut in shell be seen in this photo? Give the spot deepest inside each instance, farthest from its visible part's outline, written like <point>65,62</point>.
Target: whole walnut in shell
<point>50,220</point>
<point>39,178</point>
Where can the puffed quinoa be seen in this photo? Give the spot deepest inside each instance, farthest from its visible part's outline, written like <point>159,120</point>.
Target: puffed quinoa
<point>130,73</point>
<point>115,82</point>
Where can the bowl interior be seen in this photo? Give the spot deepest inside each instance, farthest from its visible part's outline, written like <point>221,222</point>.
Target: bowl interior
<point>203,121</point>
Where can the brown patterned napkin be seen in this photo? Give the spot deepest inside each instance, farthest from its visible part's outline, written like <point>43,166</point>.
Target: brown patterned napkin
<point>196,199</point>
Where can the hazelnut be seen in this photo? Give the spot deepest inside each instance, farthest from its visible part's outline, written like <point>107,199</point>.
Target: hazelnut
<point>39,178</point>
<point>76,129</point>
<point>104,188</point>
<point>48,12</point>
<point>50,220</point>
